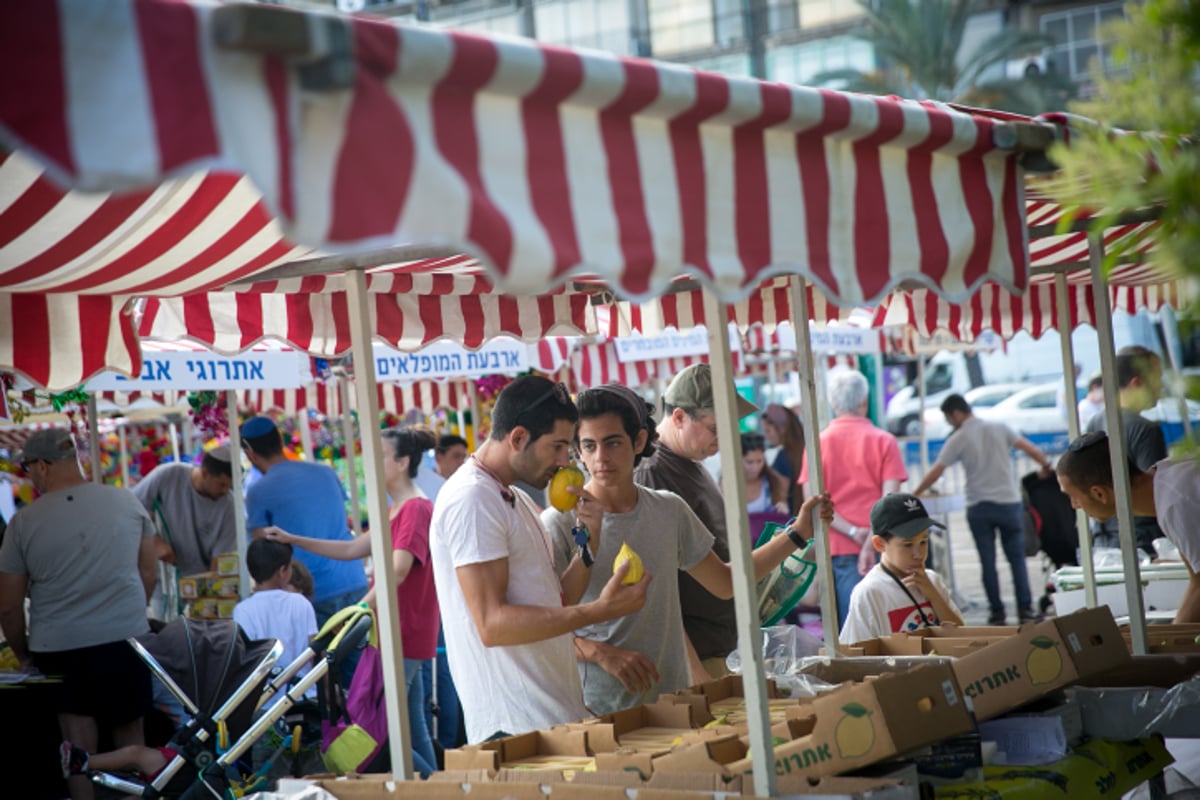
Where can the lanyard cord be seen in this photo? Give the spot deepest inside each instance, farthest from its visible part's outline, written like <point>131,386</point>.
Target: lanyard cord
<point>924,620</point>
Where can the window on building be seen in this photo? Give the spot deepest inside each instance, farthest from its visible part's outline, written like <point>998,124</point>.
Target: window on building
<point>815,13</point>
<point>736,65</point>
<point>597,24</point>
<point>1079,39</point>
<point>798,63</point>
<point>680,25</point>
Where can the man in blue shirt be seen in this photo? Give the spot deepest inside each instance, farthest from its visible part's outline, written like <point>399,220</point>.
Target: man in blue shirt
<point>306,499</point>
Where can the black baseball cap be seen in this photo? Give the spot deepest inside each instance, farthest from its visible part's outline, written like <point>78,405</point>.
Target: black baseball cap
<point>901,514</point>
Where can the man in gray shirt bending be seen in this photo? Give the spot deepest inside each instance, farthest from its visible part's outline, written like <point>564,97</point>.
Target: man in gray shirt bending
<point>993,498</point>
<point>194,509</point>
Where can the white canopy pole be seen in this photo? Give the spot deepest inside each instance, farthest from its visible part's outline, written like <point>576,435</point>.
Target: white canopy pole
<point>745,593</point>
<point>94,439</point>
<point>1062,309</point>
<point>1176,377</point>
<point>387,607</point>
<point>124,454</point>
<point>476,418</point>
<point>351,461</point>
<point>239,492</point>
<point>807,375</point>
<point>921,413</point>
<point>173,435</point>
<point>305,434</point>
<point>1116,444</point>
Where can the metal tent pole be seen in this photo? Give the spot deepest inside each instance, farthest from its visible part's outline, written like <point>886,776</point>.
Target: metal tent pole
<point>745,593</point>
<point>94,439</point>
<point>1176,377</point>
<point>124,454</point>
<point>921,414</point>
<point>173,435</point>
<point>351,460</point>
<point>239,492</point>
<point>387,606</point>
<point>1062,309</point>
<point>1116,444</point>
<point>812,445</point>
<point>305,434</point>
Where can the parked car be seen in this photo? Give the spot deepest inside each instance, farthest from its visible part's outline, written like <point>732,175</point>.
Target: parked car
<point>979,398</point>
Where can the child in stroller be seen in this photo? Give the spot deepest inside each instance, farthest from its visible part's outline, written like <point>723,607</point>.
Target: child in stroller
<point>221,677</point>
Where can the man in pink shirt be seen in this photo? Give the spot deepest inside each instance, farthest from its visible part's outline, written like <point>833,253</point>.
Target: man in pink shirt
<point>861,463</point>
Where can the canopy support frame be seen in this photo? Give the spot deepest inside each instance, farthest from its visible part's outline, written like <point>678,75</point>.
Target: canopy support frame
<point>1116,444</point>
<point>1063,312</point>
<point>737,526</point>
<point>387,622</point>
<point>806,374</point>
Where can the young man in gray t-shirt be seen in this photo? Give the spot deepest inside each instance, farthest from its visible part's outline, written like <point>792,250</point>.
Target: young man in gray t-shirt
<point>634,659</point>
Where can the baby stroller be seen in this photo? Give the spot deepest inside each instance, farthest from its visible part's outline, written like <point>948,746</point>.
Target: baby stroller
<point>1050,528</point>
<point>221,678</point>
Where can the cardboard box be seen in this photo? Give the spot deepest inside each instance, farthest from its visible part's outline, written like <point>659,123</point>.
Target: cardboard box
<point>945,640</point>
<point>555,750</point>
<point>228,564</point>
<point>1183,638</point>
<point>1150,694</point>
<point>1039,659</point>
<point>848,728</point>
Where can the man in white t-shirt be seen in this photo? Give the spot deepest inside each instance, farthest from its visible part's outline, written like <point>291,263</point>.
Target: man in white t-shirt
<point>1169,491</point>
<point>507,616</point>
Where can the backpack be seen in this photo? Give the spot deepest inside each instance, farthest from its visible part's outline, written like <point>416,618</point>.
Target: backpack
<point>357,728</point>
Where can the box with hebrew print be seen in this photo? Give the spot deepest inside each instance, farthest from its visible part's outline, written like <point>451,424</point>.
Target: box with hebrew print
<point>845,729</point>
<point>1039,659</point>
<point>942,640</point>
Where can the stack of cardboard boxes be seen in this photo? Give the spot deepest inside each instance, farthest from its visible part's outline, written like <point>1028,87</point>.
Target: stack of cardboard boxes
<point>883,719</point>
<point>212,595</point>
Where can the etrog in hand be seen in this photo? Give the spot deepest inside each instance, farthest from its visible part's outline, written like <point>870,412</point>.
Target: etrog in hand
<point>636,570</point>
<point>557,493</point>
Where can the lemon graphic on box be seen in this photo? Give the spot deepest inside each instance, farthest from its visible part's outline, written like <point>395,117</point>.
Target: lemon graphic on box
<point>1044,663</point>
<point>854,734</point>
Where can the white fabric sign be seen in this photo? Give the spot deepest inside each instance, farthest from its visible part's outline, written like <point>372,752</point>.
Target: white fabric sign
<point>199,370</point>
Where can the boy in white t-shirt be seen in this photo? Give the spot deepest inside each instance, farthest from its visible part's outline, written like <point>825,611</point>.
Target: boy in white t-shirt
<point>275,610</point>
<point>898,594</point>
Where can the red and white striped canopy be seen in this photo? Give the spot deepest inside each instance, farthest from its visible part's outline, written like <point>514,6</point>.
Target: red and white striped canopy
<point>1131,287</point>
<point>191,165</point>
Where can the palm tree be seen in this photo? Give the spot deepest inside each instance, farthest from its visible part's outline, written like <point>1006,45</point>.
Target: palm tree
<point>918,44</point>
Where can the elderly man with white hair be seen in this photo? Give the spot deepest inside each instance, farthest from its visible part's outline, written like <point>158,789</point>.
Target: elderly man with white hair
<point>861,464</point>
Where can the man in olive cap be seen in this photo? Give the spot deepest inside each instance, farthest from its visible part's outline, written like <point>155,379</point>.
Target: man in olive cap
<point>83,552</point>
<point>687,434</point>
<point>193,505</point>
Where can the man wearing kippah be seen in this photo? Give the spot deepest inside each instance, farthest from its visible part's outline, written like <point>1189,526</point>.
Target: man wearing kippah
<point>193,507</point>
<point>83,552</point>
<point>306,499</point>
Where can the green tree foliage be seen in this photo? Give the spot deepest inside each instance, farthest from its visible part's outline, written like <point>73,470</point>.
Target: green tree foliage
<point>1151,86</point>
<point>918,44</point>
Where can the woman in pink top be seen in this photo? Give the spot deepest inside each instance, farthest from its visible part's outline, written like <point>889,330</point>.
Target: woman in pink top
<point>409,515</point>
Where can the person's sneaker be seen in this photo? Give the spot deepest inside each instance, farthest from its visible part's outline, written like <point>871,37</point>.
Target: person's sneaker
<point>74,759</point>
<point>996,618</point>
<point>1029,615</point>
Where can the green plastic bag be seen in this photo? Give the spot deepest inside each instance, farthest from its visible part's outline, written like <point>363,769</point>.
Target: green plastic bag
<point>780,591</point>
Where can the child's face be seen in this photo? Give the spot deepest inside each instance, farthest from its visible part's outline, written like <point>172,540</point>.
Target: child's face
<point>903,556</point>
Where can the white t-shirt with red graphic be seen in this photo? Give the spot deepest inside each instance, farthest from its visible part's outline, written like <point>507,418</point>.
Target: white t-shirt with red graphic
<point>879,606</point>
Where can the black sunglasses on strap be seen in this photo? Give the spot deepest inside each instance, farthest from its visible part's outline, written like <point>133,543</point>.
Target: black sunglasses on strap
<point>557,391</point>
